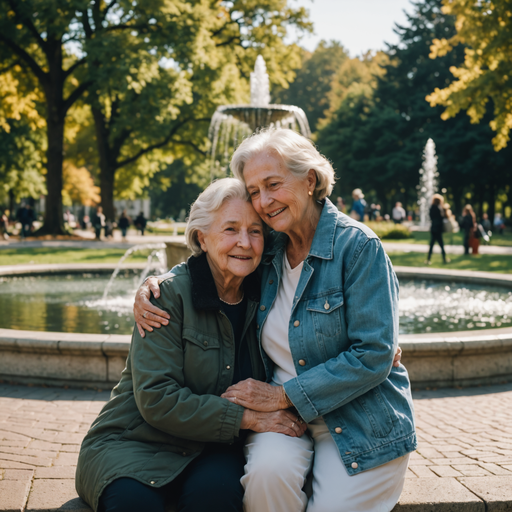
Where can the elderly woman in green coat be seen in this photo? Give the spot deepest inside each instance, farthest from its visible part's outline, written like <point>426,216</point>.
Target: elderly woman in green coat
<point>166,433</point>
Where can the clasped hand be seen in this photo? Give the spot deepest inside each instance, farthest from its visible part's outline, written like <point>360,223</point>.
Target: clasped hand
<point>266,409</point>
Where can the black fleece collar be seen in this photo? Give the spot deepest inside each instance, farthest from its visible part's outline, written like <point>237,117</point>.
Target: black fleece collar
<point>204,291</point>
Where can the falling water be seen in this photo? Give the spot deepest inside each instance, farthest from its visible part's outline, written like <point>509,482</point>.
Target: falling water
<point>428,181</point>
<point>158,251</point>
<point>232,123</point>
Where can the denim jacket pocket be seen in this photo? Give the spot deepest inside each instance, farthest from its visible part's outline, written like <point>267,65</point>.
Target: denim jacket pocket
<point>377,412</point>
<point>326,313</point>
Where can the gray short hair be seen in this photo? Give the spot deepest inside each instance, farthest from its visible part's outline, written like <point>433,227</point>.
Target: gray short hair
<point>207,203</point>
<point>299,155</point>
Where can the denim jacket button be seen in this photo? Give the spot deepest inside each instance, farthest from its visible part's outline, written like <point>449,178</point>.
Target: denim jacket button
<point>327,305</point>
<point>302,362</point>
<point>338,430</point>
<point>271,281</point>
<point>354,465</point>
<point>296,323</point>
<point>262,308</point>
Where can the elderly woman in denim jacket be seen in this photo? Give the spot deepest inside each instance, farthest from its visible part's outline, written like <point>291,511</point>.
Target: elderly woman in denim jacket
<point>328,328</point>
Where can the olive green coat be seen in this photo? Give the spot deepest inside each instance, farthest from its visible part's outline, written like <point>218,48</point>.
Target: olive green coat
<point>167,404</point>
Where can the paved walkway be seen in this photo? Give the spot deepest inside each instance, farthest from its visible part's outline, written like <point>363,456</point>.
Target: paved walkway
<point>463,462</point>
<point>134,239</point>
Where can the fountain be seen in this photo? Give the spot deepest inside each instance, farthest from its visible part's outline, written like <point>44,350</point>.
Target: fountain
<point>232,123</point>
<point>428,181</point>
<point>158,250</point>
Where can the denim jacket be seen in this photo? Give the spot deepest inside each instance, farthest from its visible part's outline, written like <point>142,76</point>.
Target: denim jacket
<point>343,334</point>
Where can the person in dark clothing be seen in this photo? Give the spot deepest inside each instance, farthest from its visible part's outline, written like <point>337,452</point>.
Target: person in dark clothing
<point>436,226</point>
<point>26,217</point>
<point>124,224</point>
<point>140,223</point>
<point>468,224</point>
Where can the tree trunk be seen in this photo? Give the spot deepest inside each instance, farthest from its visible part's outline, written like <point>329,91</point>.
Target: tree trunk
<point>53,220</point>
<point>55,118</point>
<point>107,163</point>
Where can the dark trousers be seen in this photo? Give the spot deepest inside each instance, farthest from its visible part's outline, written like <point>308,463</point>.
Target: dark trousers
<point>436,236</point>
<point>209,483</point>
<point>467,236</point>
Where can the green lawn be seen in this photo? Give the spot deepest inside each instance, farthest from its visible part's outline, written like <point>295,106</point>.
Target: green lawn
<point>64,255</point>
<point>483,262</point>
<point>423,237</point>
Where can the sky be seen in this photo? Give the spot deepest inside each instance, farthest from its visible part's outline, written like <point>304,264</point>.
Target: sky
<point>360,25</point>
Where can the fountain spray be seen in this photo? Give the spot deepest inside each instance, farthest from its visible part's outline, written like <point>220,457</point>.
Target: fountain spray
<point>428,181</point>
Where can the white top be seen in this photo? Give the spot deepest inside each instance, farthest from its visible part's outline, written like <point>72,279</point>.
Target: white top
<point>274,336</point>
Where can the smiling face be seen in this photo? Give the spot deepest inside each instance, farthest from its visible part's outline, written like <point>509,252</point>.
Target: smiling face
<point>281,200</point>
<point>234,243</point>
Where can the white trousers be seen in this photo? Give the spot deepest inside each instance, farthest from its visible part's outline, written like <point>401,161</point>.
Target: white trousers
<point>277,467</point>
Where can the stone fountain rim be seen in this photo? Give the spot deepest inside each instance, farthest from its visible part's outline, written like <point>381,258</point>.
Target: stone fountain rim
<point>96,360</point>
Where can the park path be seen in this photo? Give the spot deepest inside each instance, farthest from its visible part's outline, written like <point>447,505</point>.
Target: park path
<point>133,239</point>
<point>463,462</point>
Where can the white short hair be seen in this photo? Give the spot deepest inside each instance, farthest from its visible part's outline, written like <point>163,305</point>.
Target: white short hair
<point>206,204</point>
<point>299,154</point>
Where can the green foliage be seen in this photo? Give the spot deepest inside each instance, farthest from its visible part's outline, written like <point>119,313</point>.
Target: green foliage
<point>312,85</point>
<point>153,73</point>
<point>21,151</point>
<point>390,230</point>
<point>485,28</point>
<point>376,137</point>
<point>479,262</point>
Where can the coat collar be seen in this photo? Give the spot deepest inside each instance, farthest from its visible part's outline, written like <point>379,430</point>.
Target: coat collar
<point>323,241</point>
<point>204,291</point>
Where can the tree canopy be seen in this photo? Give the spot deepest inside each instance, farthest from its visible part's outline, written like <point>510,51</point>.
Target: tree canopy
<point>376,136</point>
<point>485,29</point>
<point>150,72</point>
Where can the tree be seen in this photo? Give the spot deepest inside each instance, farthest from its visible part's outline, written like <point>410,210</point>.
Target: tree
<point>171,45</point>
<point>156,87</point>
<point>485,28</point>
<point>79,187</point>
<point>377,135</point>
<point>311,87</point>
<point>21,169</point>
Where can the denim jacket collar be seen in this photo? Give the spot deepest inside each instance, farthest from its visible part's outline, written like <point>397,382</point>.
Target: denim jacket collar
<point>323,241</point>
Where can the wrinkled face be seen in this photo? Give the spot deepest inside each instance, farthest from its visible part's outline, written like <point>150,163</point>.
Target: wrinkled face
<point>234,242</point>
<point>281,199</point>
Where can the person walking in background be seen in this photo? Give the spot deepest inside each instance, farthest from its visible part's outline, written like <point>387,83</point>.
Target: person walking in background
<point>437,214</point>
<point>124,224</point>
<point>98,222</point>
<point>499,225</point>
<point>340,204</point>
<point>468,224</point>
<point>140,223</point>
<point>486,224</point>
<point>4,225</point>
<point>358,206</point>
<point>398,213</point>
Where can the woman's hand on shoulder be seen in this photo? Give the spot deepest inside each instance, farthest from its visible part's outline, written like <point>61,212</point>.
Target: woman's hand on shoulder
<point>146,315</point>
<point>283,422</point>
<point>256,395</point>
<point>397,358</point>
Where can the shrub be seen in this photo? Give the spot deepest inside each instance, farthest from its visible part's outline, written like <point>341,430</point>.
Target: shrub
<point>390,230</point>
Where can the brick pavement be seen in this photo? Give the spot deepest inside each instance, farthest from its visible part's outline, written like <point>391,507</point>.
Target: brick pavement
<point>463,462</point>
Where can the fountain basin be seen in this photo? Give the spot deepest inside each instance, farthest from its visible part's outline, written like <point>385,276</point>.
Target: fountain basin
<point>461,358</point>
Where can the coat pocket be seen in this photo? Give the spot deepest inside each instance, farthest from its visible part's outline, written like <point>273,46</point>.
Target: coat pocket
<point>201,340</point>
<point>326,313</point>
<point>377,412</point>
